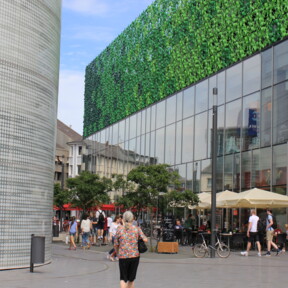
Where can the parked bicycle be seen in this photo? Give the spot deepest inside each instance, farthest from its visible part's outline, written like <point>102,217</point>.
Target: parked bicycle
<point>200,250</point>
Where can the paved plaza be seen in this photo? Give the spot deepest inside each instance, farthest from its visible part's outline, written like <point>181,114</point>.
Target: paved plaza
<point>90,268</point>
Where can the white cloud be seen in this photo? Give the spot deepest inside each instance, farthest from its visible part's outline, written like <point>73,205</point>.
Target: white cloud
<point>91,7</point>
<point>71,99</point>
<point>93,33</point>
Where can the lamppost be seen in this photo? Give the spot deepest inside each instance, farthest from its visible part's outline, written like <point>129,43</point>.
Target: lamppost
<point>195,177</point>
<point>214,167</point>
<point>62,173</point>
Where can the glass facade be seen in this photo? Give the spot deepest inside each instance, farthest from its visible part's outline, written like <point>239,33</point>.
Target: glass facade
<point>29,69</point>
<point>252,127</point>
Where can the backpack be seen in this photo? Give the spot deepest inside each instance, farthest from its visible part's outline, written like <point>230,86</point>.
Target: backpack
<point>274,225</point>
<point>101,218</point>
<point>261,225</point>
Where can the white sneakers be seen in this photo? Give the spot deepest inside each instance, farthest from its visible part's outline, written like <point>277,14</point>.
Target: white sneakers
<point>259,254</point>
<point>244,253</point>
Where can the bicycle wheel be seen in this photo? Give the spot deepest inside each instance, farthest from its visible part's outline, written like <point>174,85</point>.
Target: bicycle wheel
<point>223,250</point>
<point>199,250</point>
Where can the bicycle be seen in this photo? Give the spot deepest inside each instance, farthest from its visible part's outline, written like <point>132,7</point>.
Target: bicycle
<point>200,250</point>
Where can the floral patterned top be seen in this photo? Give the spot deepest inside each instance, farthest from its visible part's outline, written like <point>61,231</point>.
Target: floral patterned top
<point>127,240</point>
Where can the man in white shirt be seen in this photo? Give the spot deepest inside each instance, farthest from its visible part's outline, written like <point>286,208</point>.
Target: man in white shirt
<point>252,233</point>
<point>100,215</point>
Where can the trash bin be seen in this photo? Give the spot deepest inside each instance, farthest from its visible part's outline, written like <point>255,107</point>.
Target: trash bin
<point>55,230</point>
<point>37,250</point>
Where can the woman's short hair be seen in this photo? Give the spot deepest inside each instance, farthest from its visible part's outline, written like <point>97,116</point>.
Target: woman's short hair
<point>128,217</point>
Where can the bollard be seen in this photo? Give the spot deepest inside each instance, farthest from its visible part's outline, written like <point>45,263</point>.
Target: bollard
<point>37,253</point>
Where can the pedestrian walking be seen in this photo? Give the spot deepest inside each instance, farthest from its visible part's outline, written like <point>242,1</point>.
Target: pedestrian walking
<point>73,231</point>
<point>113,229</point>
<point>252,233</point>
<point>86,226</point>
<point>270,234</point>
<point>126,246</point>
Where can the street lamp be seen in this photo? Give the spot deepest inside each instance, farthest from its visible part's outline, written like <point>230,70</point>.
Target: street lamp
<point>214,167</point>
<point>63,176</point>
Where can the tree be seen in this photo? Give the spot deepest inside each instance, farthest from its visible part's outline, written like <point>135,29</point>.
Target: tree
<point>61,197</point>
<point>88,190</point>
<point>182,198</point>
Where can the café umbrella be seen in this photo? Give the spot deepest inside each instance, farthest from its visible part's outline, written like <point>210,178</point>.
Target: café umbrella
<point>256,198</point>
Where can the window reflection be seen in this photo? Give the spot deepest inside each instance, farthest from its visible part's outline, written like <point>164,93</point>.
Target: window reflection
<point>280,115</point>
<point>148,119</point>
<point>188,102</point>
<point>187,145</point>
<point>115,139</point>
<point>246,165</point>
<point>221,88</point>
<point>122,131</point>
<point>178,142</point>
<point>267,66</point>
<point>133,126</point>
<point>221,129</point>
<point>234,82</point>
<point>138,129</point>
<point>143,122</point>
<point>281,62</point>
<point>153,117</point>
<point>280,165</point>
<point>179,105</point>
<point>201,136</point>
<point>201,103</point>
<point>251,75</point>
<point>228,172</point>
<point>171,110</point>
<point>212,84</point>
<point>160,142</point>
<point>266,117</point>
<point>181,169</point>
<point>251,127</point>
<point>206,176</point>
<point>233,125</point>
<point>160,114</point>
<point>189,177</point>
<point>170,145</point>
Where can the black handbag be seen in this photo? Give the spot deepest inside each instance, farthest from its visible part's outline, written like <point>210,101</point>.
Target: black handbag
<point>142,246</point>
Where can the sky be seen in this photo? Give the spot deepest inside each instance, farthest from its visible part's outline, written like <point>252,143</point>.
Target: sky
<point>88,27</point>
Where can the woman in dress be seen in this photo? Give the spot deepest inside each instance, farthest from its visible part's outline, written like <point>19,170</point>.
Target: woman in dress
<point>126,246</point>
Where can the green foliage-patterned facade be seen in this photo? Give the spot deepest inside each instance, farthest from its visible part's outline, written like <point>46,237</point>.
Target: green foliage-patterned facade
<point>171,45</point>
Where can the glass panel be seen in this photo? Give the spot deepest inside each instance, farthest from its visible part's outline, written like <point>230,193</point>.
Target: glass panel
<point>221,88</point>
<point>236,172</point>
<point>143,126</point>
<point>251,74</point>
<point>251,127</point>
<point>138,150</point>
<point>148,119</point>
<point>143,142</point>
<point>262,168</point>
<point>171,110</point>
<point>178,142</point>
<point>122,131</point>
<point>132,148</point>
<point>133,126</point>
<point>281,62</point>
<point>201,136</point>
<point>233,125</point>
<point>234,82</point>
<point>196,181</point>
<point>246,170</point>
<point>147,148</point>
<point>206,176</point>
<point>160,142</point>
<point>153,117</point>
<point>219,174</point>
<point>188,102</point>
<point>266,117</point>
<point>187,152</point>
<point>152,146</point>
<point>179,105</point>
<point>138,131</point>
<point>115,139</point>
<point>280,113</point>
<point>127,128</point>
<point>189,177</point>
<point>280,165</point>
<point>181,169</point>
<point>267,64</point>
<point>201,97</point>
<point>228,172</point>
<point>160,115</point>
<point>221,129</point>
<point>212,84</point>
<point>170,145</point>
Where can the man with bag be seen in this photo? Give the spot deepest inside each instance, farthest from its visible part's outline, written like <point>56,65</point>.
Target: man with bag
<point>270,226</point>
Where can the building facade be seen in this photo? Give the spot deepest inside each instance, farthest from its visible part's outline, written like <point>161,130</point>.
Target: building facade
<point>169,118</point>
<point>29,70</point>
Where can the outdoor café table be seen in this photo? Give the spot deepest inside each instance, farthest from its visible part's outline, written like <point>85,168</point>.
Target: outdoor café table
<point>228,236</point>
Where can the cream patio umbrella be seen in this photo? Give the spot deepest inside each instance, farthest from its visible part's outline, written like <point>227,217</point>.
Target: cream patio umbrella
<point>257,198</point>
<point>223,197</point>
<point>204,201</point>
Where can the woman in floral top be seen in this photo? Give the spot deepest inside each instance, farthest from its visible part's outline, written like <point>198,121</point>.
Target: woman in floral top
<point>126,245</point>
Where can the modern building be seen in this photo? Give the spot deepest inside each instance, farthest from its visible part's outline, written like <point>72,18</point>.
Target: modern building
<point>151,92</point>
<point>29,69</point>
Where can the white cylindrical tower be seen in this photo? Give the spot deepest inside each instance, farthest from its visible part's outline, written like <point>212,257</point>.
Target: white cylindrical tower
<point>29,70</point>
